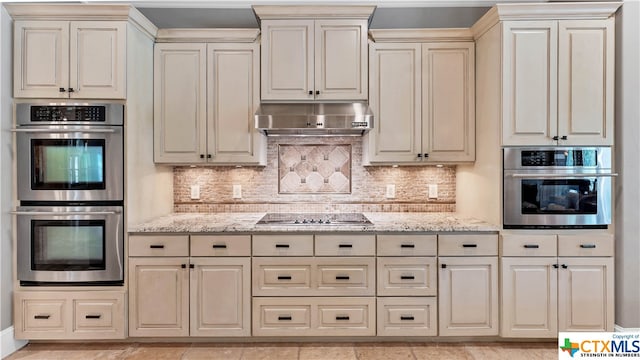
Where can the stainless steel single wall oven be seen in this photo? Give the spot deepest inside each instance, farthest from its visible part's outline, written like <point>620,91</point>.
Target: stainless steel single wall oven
<point>567,187</point>
<point>70,182</point>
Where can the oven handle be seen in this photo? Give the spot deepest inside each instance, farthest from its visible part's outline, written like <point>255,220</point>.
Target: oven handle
<point>64,131</point>
<point>64,214</point>
<point>562,176</point>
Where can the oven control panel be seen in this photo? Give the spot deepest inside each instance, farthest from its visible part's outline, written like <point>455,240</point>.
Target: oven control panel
<point>573,158</point>
<point>49,113</point>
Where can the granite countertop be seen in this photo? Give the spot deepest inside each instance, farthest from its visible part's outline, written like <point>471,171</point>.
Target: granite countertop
<point>246,222</point>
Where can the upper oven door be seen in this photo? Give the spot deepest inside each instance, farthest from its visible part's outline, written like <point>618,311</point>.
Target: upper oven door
<point>70,163</point>
<point>536,199</point>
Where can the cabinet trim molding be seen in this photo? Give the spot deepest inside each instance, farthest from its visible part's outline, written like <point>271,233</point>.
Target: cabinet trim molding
<point>421,35</point>
<point>273,12</point>
<point>208,35</point>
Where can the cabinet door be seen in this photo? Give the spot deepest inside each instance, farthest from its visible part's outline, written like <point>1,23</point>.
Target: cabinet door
<point>41,59</point>
<point>529,88</point>
<point>220,297</point>
<point>585,294</point>
<point>395,98</point>
<point>179,100</point>
<point>585,81</point>
<point>97,59</point>
<point>529,297</point>
<point>468,296</point>
<point>341,70</point>
<point>448,117</point>
<point>233,75</point>
<point>158,297</point>
<point>287,60</point>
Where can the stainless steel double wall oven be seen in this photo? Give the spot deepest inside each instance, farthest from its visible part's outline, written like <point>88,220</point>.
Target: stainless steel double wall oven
<point>70,175</point>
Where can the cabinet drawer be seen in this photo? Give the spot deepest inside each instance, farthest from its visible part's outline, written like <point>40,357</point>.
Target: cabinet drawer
<point>283,245</point>
<point>345,245</point>
<point>528,245</point>
<point>585,245</point>
<point>158,245</point>
<point>468,245</point>
<point>99,318</point>
<point>280,316</point>
<point>413,276</point>
<point>415,316</point>
<point>407,245</point>
<point>220,245</point>
<point>345,276</point>
<point>286,276</point>
<point>45,315</point>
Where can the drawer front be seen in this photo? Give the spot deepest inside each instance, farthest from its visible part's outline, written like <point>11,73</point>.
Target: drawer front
<point>281,317</point>
<point>159,245</point>
<point>287,276</point>
<point>345,276</point>
<point>283,245</point>
<point>220,245</point>
<point>41,315</point>
<point>345,245</point>
<point>468,245</point>
<point>407,316</point>
<point>99,318</point>
<point>586,245</point>
<point>344,318</point>
<point>282,276</point>
<point>414,276</point>
<point>407,245</point>
<point>528,245</point>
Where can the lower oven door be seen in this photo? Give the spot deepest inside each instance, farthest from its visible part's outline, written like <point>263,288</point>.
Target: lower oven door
<point>70,245</point>
<point>556,200</point>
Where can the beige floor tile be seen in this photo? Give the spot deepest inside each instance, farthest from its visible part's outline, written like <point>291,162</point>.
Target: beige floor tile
<point>320,352</point>
<point>213,353</point>
<point>441,352</point>
<point>273,352</point>
<point>384,352</point>
<point>157,352</point>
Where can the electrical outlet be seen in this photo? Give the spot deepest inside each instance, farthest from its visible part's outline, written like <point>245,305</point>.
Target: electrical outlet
<point>195,192</point>
<point>391,191</point>
<point>433,191</point>
<point>237,191</point>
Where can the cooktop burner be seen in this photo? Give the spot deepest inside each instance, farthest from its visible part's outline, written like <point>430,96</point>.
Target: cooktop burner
<point>314,219</point>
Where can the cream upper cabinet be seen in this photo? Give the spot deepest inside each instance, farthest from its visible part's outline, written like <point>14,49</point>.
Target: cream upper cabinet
<point>308,59</point>
<point>558,82</point>
<point>205,96</point>
<point>70,59</point>
<point>423,98</point>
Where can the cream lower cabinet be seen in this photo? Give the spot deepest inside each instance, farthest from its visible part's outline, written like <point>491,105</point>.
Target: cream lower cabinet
<point>70,59</point>
<point>468,285</point>
<point>205,96</point>
<point>423,98</point>
<point>543,294</point>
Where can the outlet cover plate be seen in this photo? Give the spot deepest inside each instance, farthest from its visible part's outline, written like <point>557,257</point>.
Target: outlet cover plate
<point>391,191</point>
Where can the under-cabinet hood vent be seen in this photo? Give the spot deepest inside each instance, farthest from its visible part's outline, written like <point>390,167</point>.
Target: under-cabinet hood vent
<point>327,119</point>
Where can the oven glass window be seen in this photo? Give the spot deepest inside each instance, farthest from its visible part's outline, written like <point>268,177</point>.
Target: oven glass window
<point>569,196</point>
<point>74,164</point>
<point>67,245</point>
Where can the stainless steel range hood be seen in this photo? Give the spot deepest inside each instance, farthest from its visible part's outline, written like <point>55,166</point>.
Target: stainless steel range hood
<point>314,119</point>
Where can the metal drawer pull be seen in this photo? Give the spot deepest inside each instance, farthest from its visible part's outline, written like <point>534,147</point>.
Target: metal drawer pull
<point>527,246</point>
<point>407,246</point>
<point>588,246</point>
<point>156,246</point>
<point>284,246</point>
<point>284,277</point>
<point>284,317</point>
<point>564,266</point>
<point>93,316</point>
<point>42,317</point>
<point>342,317</point>
<point>444,266</point>
<point>407,277</point>
<point>219,246</point>
<point>407,318</point>
<point>469,245</point>
<point>345,246</point>
<point>342,277</point>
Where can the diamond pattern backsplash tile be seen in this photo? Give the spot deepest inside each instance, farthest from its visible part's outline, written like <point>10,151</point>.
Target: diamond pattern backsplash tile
<point>314,169</point>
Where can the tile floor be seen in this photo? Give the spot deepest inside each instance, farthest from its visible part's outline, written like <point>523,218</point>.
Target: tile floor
<point>286,351</point>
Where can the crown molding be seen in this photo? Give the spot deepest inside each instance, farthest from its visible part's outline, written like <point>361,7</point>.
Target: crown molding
<point>421,35</point>
<point>207,35</point>
<point>270,12</point>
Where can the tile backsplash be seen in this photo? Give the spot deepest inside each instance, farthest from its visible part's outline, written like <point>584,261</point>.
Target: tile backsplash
<point>262,186</point>
<point>314,169</point>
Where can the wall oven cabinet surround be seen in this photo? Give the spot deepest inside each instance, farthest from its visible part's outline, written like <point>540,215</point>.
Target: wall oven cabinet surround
<point>70,245</point>
<point>70,59</point>
<point>205,96</point>
<point>422,94</point>
<point>554,283</point>
<point>557,187</point>
<point>70,151</point>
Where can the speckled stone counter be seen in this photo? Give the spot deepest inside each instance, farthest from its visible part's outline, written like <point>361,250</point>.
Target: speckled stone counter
<point>246,222</point>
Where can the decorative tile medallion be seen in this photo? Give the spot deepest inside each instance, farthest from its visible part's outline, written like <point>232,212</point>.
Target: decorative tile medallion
<point>314,169</point>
